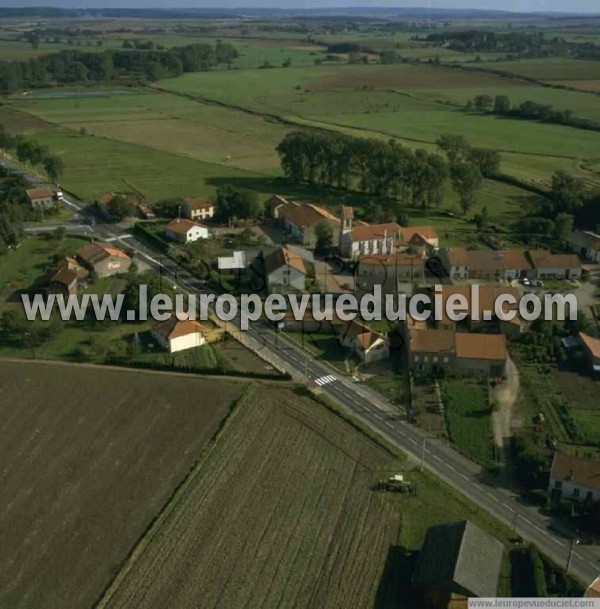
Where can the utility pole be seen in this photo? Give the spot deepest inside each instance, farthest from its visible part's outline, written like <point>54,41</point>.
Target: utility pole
<point>574,542</point>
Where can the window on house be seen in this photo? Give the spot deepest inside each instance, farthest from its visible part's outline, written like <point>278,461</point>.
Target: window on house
<point>576,492</point>
<point>589,496</point>
<point>558,484</point>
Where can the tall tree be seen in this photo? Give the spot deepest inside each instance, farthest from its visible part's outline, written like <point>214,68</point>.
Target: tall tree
<point>466,179</point>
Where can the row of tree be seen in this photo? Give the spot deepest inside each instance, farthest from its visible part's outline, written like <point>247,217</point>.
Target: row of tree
<point>530,110</point>
<point>387,169</point>
<point>76,66</point>
<point>32,152</point>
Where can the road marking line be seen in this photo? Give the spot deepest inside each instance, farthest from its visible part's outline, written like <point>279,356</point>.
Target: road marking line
<point>325,379</point>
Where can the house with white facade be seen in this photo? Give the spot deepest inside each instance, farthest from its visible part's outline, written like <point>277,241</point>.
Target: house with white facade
<point>455,261</point>
<point>574,478</point>
<point>41,198</point>
<point>176,334</point>
<point>368,346</point>
<point>185,231</point>
<point>198,209</point>
<point>285,269</point>
<point>585,243</point>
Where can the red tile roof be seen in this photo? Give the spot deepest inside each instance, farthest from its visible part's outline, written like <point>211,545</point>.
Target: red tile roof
<point>375,231</point>
<point>583,472</point>
<point>181,226</point>
<point>43,192</point>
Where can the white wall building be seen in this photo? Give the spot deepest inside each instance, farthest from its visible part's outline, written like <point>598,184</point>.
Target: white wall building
<point>574,478</point>
<point>185,231</point>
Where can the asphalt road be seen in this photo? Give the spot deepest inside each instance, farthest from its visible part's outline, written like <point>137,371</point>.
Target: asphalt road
<point>374,411</point>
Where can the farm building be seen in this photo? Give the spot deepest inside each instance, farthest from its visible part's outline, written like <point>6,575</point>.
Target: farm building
<point>41,198</point>
<point>458,561</point>
<point>176,334</point>
<point>586,244</point>
<point>574,478</point>
<point>301,220</point>
<point>185,231</point>
<point>480,353</point>
<point>67,277</point>
<point>274,204</point>
<point>198,209</point>
<point>285,269</point>
<point>493,265</point>
<point>104,260</point>
<point>394,269</point>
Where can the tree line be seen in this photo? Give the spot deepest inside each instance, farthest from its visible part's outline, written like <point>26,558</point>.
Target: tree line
<point>75,66</point>
<point>32,152</point>
<point>386,168</point>
<point>501,105</point>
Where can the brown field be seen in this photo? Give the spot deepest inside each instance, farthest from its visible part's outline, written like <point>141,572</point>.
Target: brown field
<point>584,85</point>
<point>405,76</point>
<point>279,514</point>
<point>89,457</point>
<point>14,121</point>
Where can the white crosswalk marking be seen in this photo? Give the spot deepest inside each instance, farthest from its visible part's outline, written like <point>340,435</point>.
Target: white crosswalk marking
<point>325,379</point>
<point>115,238</point>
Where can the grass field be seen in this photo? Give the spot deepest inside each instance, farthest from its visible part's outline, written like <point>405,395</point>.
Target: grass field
<point>90,456</point>
<point>170,123</point>
<point>467,411</point>
<point>551,69</point>
<point>287,522</point>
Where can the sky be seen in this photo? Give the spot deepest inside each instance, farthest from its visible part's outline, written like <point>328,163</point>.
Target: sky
<point>581,6</point>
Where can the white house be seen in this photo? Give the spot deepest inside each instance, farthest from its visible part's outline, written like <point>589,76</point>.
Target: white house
<point>368,239</point>
<point>178,334</point>
<point>41,198</point>
<point>421,240</point>
<point>586,244</point>
<point>369,346</point>
<point>574,478</point>
<point>185,231</point>
<point>285,269</point>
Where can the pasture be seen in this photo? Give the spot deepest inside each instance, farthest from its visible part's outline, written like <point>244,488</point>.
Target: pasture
<point>551,69</point>
<point>91,456</point>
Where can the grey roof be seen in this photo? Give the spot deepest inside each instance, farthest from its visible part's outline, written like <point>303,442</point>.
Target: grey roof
<point>459,557</point>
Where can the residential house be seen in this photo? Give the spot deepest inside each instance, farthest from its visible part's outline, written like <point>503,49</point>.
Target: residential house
<point>457,561</point>
<point>591,351</point>
<point>134,201</point>
<point>177,334</point>
<point>67,277</point>
<point>455,261</point>
<point>481,302</point>
<point>574,478</point>
<point>41,198</point>
<point>586,244</point>
<point>198,209</point>
<point>302,219</point>
<point>389,270</point>
<point>495,265</point>
<point>284,269</point>
<point>480,353</point>
<point>145,212</point>
<point>103,259</point>
<point>274,204</point>
<point>554,266</point>
<point>185,231</point>
<point>421,240</point>
<point>368,346</point>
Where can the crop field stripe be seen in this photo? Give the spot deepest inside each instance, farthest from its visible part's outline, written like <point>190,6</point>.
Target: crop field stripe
<point>166,513</point>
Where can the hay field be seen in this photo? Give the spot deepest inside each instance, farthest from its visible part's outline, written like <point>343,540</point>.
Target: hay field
<point>170,123</point>
<point>90,456</point>
<point>279,514</point>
